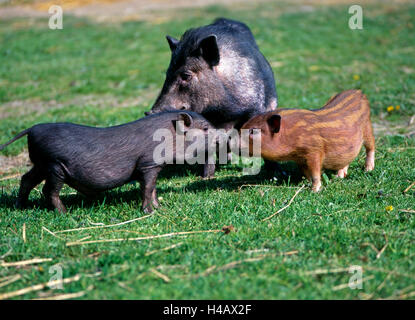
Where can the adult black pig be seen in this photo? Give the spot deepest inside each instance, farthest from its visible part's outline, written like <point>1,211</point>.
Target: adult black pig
<point>218,71</point>
<point>91,159</point>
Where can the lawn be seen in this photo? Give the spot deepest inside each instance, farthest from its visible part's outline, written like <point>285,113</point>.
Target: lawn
<point>110,73</point>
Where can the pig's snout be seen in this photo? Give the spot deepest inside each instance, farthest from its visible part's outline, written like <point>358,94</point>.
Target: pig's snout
<point>160,109</point>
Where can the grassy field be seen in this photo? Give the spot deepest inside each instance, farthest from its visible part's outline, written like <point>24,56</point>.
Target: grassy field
<point>107,74</point>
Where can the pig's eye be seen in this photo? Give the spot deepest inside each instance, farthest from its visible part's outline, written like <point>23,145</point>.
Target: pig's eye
<point>185,76</point>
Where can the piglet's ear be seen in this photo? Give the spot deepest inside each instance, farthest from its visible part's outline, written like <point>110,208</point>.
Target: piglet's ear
<point>183,123</point>
<point>173,43</point>
<point>208,48</point>
<point>274,123</point>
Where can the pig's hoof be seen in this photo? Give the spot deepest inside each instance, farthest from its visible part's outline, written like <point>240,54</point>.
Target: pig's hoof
<point>370,161</point>
<point>369,166</point>
<point>342,173</point>
<point>317,187</point>
<point>61,209</point>
<point>148,209</point>
<point>208,171</point>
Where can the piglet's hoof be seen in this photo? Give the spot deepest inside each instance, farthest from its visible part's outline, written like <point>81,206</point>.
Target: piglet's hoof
<point>342,173</point>
<point>62,209</point>
<point>316,187</point>
<point>147,209</point>
<point>370,161</point>
<point>58,207</point>
<point>208,171</point>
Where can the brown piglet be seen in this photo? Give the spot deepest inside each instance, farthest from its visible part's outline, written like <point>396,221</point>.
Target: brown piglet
<point>326,138</point>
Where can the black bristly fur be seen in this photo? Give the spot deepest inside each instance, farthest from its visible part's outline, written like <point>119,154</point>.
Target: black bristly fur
<point>92,160</point>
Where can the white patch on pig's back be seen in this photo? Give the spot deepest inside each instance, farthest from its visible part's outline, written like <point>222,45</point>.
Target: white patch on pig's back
<point>237,73</point>
<point>272,105</point>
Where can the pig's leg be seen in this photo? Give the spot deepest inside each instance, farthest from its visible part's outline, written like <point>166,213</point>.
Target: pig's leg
<point>312,171</point>
<point>369,143</point>
<point>208,170</point>
<point>148,189</point>
<point>30,180</point>
<point>342,173</point>
<point>51,191</point>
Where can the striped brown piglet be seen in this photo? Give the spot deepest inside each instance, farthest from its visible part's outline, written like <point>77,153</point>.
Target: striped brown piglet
<point>326,138</point>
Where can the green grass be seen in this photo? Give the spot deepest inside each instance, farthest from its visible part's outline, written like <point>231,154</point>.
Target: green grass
<point>314,55</point>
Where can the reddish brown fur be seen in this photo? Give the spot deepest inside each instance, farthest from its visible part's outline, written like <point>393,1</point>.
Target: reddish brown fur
<point>326,138</point>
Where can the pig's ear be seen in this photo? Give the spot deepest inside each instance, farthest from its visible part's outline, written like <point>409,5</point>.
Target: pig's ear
<point>209,50</point>
<point>274,123</point>
<point>172,43</point>
<point>183,123</point>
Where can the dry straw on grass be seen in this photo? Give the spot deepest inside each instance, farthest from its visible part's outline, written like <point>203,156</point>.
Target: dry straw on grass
<point>24,232</point>
<point>67,296</point>
<point>409,187</point>
<point>103,226</point>
<point>164,249</point>
<point>38,287</point>
<point>24,262</point>
<point>289,203</point>
<point>160,275</point>
<point>10,177</point>
<point>77,243</point>
<point>229,265</point>
<point>347,285</point>
<point>407,211</point>
<point>236,263</point>
<point>50,232</point>
<point>326,271</point>
<point>8,280</point>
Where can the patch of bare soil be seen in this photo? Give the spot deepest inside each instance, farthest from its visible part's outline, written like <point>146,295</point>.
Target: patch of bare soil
<point>406,127</point>
<point>8,164</point>
<point>35,106</point>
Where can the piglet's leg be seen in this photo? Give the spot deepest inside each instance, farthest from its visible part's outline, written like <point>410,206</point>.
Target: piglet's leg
<point>29,181</point>
<point>148,189</point>
<point>370,160</point>
<point>312,171</point>
<point>369,143</point>
<point>51,191</point>
<point>316,180</point>
<point>208,170</point>
<point>342,173</point>
<point>209,167</point>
